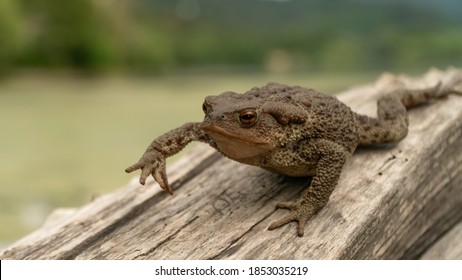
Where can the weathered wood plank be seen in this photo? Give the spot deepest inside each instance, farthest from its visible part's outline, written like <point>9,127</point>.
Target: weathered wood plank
<point>449,247</point>
<point>392,202</point>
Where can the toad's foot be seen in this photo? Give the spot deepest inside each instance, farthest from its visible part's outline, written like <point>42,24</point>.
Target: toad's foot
<point>153,160</point>
<point>299,212</point>
<point>152,163</point>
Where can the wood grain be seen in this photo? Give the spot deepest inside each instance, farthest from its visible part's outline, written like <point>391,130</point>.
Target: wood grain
<point>392,201</point>
<point>449,247</point>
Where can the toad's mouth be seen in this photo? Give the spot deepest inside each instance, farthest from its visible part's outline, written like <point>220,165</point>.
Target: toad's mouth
<point>235,146</point>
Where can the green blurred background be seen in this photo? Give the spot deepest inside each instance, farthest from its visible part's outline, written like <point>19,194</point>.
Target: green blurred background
<point>85,85</point>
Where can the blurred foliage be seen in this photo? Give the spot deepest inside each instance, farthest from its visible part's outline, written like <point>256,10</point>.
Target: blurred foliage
<point>160,35</point>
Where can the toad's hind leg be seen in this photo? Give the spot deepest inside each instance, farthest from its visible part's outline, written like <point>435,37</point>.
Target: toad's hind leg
<point>391,124</point>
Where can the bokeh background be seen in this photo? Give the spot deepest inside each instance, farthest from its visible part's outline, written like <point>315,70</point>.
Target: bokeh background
<point>85,85</point>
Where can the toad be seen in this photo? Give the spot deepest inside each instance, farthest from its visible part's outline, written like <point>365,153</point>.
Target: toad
<point>290,130</point>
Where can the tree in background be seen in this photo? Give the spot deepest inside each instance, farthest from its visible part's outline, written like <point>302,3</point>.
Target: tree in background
<point>161,35</point>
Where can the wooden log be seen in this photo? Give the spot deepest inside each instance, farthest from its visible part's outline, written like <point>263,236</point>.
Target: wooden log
<point>392,201</point>
<point>449,247</point>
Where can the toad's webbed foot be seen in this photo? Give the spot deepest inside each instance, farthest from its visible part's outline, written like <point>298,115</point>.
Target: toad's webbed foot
<point>299,212</point>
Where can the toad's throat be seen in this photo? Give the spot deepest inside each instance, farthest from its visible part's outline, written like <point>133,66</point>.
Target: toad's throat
<point>236,146</point>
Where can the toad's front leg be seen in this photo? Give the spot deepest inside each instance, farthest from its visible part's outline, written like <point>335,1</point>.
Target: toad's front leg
<point>315,197</point>
<point>153,160</point>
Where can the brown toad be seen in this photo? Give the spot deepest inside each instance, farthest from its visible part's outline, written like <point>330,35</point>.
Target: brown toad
<point>290,130</point>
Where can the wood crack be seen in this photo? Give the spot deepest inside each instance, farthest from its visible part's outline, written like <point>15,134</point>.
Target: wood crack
<point>168,238</point>
<point>229,248</point>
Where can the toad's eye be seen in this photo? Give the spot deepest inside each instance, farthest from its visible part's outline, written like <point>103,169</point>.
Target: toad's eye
<point>204,108</point>
<point>247,117</point>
